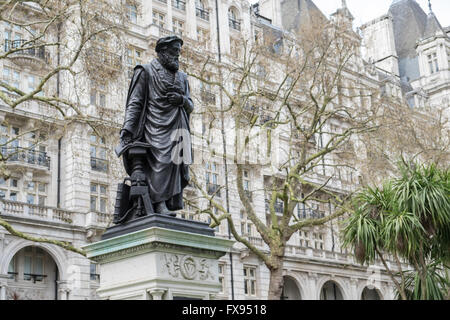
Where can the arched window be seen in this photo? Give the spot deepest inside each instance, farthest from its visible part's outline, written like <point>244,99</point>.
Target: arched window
<point>200,10</point>
<point>290,290</point>
<point>233,19</point>
<point>331,291</point>
<point>370,294</point>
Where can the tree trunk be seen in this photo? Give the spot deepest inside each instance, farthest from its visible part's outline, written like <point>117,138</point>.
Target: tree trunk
<point>276,283</point>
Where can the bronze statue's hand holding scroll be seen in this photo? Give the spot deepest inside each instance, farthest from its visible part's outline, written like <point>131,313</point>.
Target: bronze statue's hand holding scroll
<point>175,98</point>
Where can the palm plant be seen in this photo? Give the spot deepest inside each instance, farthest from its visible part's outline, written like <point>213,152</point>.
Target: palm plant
<point>408,218</point>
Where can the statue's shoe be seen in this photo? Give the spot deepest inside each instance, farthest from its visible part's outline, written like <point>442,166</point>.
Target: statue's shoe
<point>162,209</point>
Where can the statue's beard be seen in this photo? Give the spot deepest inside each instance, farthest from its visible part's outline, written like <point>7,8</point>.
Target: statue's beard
<point>169,62</point>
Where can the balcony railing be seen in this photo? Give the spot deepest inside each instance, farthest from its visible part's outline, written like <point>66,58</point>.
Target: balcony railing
<point>100,165</point>
<point>234,24</point>
<point>35,277</point>
<point>104,57</point>
<point>213,189</point>
<point>308,213</point>
<point>30,49</point>
<point>16,208</point>
<point>178,4</point>
<point>29,156</point>
<point>202,14</point>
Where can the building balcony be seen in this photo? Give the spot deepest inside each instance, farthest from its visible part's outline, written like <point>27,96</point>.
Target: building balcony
<point>36,212</point>
<point>28,54</point>
<point>100,165</point>
<point>28,157</point>
<point>308,213</point>
<point>178,4</point>
<point>202,14</point>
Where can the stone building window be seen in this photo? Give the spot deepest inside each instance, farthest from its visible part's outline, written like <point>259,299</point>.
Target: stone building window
<point>94,273</point>
<point>11,77</point>
<point>98,95</point>
<point>33,269</point>
<point>159,19</point>
<point>178,26</point>
<point>250,281</point>
<point>9,189</point>
<point>433,63</point>
<point>246,226</point>
<point>200,10</point>
<point>99,197</point>
<point>134,57</point>
<point>36,192</point>
<point>131,12</point>
<point>212,179</point>
<point>98,154</point>
<point>179,4</point>
<point>304,239</point>
<point>233,19</point>
<point>318,241</point>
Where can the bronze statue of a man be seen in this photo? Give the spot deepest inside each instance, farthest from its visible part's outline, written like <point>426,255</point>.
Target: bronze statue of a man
<point>157,117</point>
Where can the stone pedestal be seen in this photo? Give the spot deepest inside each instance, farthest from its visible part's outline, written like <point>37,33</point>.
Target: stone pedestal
<point>160,259</point>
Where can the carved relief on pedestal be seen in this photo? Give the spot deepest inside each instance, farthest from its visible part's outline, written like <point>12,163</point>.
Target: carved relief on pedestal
<point>187,267</point>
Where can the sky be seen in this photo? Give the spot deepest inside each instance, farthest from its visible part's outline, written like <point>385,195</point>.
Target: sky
<point>366,10</point>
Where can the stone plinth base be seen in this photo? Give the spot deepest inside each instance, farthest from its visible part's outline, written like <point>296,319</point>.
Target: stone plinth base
<point>159,263</point>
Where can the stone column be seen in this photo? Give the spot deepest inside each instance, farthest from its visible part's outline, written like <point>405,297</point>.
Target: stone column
<point>3,286</point>
<point>2,291</point>
<point>312,290</point>
<point>156,294</point>
<point>63,290</point>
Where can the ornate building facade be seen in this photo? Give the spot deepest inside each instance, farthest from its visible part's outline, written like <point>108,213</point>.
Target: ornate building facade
<point>63,177</point>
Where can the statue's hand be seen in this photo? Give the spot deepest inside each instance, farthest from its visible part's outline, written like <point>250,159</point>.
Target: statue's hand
<point>125,137</point>
<point>175,98</point>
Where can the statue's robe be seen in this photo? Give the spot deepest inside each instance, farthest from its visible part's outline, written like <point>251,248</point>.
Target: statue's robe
<point>151,119</point>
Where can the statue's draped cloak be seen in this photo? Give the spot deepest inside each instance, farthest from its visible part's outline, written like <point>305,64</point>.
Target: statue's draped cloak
<point>150,118</point>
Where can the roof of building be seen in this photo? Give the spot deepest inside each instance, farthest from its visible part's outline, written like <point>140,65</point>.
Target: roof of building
<point>300,13</point>
<point>410,22</point>
<point>433,27</point>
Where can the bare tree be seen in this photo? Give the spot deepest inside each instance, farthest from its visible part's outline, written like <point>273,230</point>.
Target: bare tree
<point>292,113</point>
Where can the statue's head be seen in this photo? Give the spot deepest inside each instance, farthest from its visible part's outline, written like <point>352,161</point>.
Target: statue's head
<point>168,50</point>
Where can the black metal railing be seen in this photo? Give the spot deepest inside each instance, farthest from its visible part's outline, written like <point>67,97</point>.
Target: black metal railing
<point>178,4</point>
<point>236,25</point>
<point>213,189</point>
<point>308,213</point>
<point>100,165</point>
<point>202,14</point>
<point>12,275</point>
<point>95,277</point>
<point>107,58</point>
<point>28,48</point>
<point>35,277</point>
<point>29,156</point>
